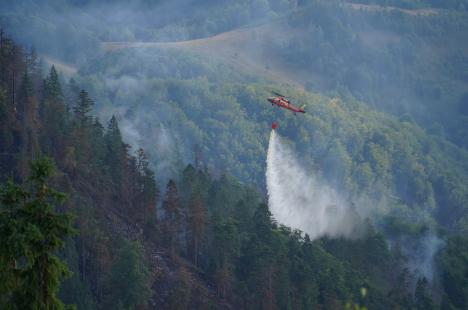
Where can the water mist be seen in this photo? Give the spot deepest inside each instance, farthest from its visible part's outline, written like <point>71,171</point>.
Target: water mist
<point>299,200</point>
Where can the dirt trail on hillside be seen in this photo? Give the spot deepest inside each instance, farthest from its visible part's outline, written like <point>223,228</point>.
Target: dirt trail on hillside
<point>379,8</point>
<point>248,49</point>
<point>252,49</point>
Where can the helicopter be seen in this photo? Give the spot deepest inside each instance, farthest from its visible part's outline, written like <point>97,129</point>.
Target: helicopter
<point>283,102</point>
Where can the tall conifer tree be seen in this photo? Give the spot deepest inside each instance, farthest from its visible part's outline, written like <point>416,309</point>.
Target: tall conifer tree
<point>172,218</point>
<point>31,233</point>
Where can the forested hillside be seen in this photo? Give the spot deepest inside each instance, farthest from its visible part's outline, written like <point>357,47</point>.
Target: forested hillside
<point>412,64</point>
<point>156,121</point>
<point>211,243</point>
<point>403,57</point>
<point>351,146</point>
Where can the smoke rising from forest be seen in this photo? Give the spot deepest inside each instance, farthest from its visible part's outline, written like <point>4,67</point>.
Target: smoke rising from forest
<point>298,199</point>
<point>162,145</point>
<point>421,255</point>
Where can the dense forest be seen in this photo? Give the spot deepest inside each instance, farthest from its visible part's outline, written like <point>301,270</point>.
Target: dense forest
<point>125,253</point>
<point>207,231</point>
<point>138,180</point>
<point>406,62</point>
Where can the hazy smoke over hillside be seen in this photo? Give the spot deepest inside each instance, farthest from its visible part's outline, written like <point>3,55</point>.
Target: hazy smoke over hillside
<point>420,254</point>
<point>299,200</point>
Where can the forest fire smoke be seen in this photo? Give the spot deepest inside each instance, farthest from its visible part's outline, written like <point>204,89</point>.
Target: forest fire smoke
<point>298,200</point>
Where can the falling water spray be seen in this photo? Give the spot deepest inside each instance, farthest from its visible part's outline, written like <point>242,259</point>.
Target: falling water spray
<point>299,200</point>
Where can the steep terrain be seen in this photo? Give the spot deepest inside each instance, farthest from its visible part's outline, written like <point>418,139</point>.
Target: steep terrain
<point>384,129</point>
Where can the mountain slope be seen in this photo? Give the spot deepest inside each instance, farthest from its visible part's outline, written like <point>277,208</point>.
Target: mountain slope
<point>351,50</point>
<point>210,105</point>
<point>249,50</point>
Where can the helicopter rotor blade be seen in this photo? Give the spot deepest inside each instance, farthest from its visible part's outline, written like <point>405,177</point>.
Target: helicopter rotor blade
<point>281,95</point>
<point>278,94</point>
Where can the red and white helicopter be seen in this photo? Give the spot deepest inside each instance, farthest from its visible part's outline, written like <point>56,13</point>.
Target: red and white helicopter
<point>283,102</point>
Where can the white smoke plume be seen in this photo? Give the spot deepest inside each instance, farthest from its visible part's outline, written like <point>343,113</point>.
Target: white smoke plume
<point>299,200</point>
<point>420,255</point>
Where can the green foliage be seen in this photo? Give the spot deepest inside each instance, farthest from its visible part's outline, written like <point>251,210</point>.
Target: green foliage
<point>83,108</point>
<point>354,148</point>
<point>172,218</point>
<point>96,179</point>
<point>31,233</point>
<point>454,263</point>
<point>382,56</point>
<point>116,151</point>
<point>414,181</point>
<point>75,289</point>
<point>54,116</point>
<point>128,282</point>
<point>423,299</point>
<point>235,250</point>
<point>52,87</point>
<point>72,42</point>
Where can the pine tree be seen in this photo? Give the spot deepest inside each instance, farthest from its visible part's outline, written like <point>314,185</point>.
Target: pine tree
<point>423,300</point>
<point>34,69</point>
<point>83,108</point>
<point>172,218</point>
<point>224,252</point>
<point>224,196</point>
<point>197,218</point>
<point>25,108</point>
<point>52,86</point>
<point>7,120</point>
<point>82,133</point>
<point>129,278</point>
<point>31,233</point>
<point>117,160</point>
<point>258,260</point>
<point>97,144</point>
<point>148,193</point>
<point>54,118</point>
<point>26,125</point>
<point>188,183</point>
